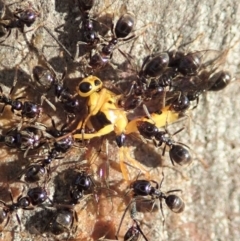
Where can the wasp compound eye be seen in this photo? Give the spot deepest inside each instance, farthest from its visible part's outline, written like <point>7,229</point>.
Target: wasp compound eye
<point>85,87</point>
<point>97,82</point>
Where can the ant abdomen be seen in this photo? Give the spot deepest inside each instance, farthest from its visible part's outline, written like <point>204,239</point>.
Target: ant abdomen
<point>175,203</point>
<point>180,155</point>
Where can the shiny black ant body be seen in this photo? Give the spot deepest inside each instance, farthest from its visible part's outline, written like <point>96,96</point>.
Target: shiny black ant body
<point>62,221</point>
<point>28,109</point>
<point>26,138</point>
<point>178,153</point>
<point>187,64</point>
<point>153,66</point>
<point>220,80</point>
<point>35,172</point>
<point>123,28</point>
<point>83,182</point>
<point>17,19</point>
<point>46,79</point>
<point>143,188</point>
<point>89,35</point>
<point>152,80</point>
<point>35,196</point>
<point>132,234</point>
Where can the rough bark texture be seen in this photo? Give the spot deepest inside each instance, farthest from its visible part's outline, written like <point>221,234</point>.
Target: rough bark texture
<point>211,183</point>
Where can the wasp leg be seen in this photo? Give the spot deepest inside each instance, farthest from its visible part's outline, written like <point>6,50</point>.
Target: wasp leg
<point>124,154</point>
<point>123,165</point>
<point>136,163</point>
<point>104,131</point>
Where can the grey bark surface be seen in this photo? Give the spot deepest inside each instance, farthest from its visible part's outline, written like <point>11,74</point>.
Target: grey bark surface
<point>211,186</point>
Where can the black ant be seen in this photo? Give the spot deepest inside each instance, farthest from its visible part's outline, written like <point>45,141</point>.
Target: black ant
<point>220,80</point>
<point>35,196</point>
<point>132,234</point>
<point>29,137</point>
<point>186,64</point>
<point>28,109</point>
<point>122,29</point>
<point>62,221</point>
<point>83,182</point>
<point>63,145</point>
<point>152,79</point>
<point>17,19</point>
<point>35,172</point>
<point>90,36</point>
<point>46,79</point>
<point>191,87</point>
<point>66,215</point>
<point>178,153</point>
<point>143,190</point>
<point>196,76</point>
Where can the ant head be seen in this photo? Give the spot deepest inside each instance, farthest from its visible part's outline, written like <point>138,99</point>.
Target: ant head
<point>181,104</point>
<point>147,129</point>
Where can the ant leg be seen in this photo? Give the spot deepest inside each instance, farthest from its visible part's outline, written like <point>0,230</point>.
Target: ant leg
<point>147,113</point>
<point>174,190</point>
<point>60,44</point>
<point>18,219</point>
<point>124,214</point>
<point>140,230</point>
<point>44,98</point>
<point>164,149</point>
<point>178,131</point>
<point>77,59</point>
<point>161,207</point>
